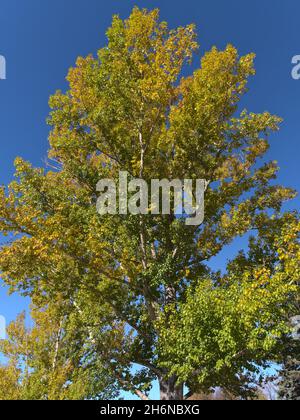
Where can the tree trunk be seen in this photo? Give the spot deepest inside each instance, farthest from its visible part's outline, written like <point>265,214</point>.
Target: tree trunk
<point>169,390</point>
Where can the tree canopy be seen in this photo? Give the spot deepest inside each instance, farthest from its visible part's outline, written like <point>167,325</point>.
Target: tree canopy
<point>47,362</point>
<point>134,298</point>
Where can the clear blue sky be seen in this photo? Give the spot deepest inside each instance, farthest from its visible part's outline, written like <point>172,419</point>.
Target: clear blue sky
<point>41,40</point>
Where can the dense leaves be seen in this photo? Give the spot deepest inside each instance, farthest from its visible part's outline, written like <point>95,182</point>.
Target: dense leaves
<point>48,362</point>
<point>138,290</point>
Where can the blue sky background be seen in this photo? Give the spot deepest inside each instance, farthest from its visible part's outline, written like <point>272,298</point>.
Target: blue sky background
<point>42,39</point>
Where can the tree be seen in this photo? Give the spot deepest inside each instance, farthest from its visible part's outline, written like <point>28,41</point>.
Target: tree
<point>45,363</point>
<point>290,381</point>
<point>139,287</point>
<point>289,388</point>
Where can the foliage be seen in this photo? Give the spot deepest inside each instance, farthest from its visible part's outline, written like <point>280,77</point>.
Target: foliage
<point>48,363</point>
<point>230,323</point>
<point>290,380</point>
<point>139,290</point>
<point>289,385</point>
